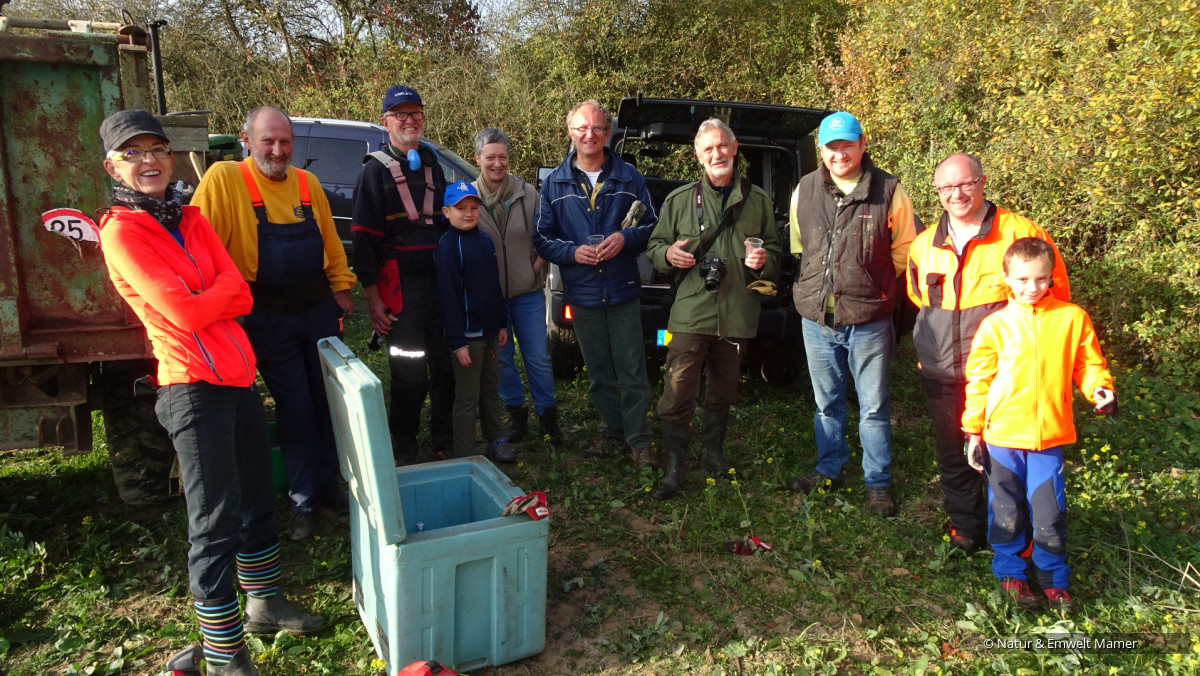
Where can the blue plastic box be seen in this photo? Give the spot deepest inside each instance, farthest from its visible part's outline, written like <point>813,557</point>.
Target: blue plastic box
<point>469,589</point>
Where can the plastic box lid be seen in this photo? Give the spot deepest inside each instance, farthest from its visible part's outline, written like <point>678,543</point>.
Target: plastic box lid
<point>364,442</point>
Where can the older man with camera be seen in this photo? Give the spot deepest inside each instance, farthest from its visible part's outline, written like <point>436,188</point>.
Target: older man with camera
<point>715,237</point>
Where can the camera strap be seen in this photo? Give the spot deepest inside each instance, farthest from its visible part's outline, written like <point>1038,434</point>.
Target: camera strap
<point>730,216</point>
<point>706,239</point>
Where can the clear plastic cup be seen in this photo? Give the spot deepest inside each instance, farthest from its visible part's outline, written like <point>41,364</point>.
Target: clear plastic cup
<point>752,245</point>
<point>595,241</point>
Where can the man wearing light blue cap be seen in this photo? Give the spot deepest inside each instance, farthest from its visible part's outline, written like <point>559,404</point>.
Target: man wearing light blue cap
<point>854,224</point>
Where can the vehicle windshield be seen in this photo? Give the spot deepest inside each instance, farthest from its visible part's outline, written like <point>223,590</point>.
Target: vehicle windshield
<point>668,165</point>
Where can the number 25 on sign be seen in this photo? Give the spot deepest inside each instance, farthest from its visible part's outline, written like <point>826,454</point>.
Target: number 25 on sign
<point>72,224</point>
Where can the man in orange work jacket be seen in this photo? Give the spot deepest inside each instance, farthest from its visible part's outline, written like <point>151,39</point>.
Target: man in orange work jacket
<point>955,278</point>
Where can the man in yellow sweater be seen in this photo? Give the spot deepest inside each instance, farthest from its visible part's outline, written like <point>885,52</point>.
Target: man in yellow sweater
<point>276,224</point>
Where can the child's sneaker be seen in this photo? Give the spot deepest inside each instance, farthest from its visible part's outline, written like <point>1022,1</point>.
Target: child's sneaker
<point>1020,592</point>
<point>1060,600</point>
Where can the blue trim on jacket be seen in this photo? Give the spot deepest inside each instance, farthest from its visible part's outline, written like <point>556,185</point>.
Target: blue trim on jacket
<point>566,218</point>
<point>469,286</point>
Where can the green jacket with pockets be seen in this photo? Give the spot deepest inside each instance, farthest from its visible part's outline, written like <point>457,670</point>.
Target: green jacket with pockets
<point>732,311</point>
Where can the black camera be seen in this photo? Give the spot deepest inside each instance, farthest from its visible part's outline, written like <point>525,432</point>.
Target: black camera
<point>713,271</point>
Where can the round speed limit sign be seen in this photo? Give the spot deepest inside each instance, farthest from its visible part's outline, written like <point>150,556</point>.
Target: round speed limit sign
<point>72,224</point>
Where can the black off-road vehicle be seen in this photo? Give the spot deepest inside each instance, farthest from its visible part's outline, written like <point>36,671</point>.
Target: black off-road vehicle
<point>776,146</point>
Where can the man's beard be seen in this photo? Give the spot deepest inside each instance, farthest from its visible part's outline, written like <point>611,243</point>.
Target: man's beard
<point>276,170</point>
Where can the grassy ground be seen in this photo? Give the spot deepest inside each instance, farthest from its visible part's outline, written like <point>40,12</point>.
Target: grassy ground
<point>89,586</point>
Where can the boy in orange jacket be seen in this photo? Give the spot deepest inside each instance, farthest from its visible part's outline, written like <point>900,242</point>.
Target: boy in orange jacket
<point>1019,375</point>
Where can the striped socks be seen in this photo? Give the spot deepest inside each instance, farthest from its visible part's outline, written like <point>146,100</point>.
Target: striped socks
<point>221,628</point>
<point>259,573</point>
<point>221,619</point>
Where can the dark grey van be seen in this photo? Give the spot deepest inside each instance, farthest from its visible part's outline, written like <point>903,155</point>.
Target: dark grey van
<point>334,151</point>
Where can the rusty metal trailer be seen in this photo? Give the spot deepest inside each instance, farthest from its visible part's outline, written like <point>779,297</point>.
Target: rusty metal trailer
<point>68,343</point>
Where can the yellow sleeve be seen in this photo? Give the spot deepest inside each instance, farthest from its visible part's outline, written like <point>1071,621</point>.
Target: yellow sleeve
<point>219,196</point>
<point>1090,369</point>
<point>980,370</point>
<point>794,223</point>
<point>337,270</point>
<point>902,223</point>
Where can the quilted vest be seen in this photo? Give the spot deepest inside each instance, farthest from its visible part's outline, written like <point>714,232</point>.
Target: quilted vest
<point>847,248</point>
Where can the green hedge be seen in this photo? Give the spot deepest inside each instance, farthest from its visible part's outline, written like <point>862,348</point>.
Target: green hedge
<point>1087,118</point>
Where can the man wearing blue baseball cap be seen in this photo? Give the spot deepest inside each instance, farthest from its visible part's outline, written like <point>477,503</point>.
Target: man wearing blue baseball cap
<point>396,224</point>
<point>854,224</point>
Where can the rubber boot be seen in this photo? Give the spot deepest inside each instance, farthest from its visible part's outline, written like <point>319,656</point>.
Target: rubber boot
<point>714,439</point>
<point>186,662</point>
<point>548,426</point>
<point>675,438</point>
<point>518,423</point>
<point>500,451</point>
<point>273,614</point>
<point>240,665</point>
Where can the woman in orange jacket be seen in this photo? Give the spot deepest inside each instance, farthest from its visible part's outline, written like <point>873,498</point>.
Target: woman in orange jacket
<point>1019,375</point>
<point>168,264</point>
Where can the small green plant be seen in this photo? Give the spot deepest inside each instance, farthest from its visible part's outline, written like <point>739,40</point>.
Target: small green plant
<point>20,559</point>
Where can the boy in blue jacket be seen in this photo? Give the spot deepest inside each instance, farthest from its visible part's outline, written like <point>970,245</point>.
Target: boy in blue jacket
<point>476,320</point>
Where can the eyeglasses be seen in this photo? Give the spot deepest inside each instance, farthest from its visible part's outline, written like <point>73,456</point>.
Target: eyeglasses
<point>404,117</point>
<point>595,129</point>
<point>138,155</point>
<point>967,188</point>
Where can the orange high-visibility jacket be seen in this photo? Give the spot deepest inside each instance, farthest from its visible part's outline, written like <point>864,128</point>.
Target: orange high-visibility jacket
<point>186,296</point>
<point>954,293</point>
<point>1019,374</point>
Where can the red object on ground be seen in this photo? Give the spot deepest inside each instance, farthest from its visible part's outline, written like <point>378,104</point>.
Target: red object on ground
<point>428,668</point>
<point>747,546</point>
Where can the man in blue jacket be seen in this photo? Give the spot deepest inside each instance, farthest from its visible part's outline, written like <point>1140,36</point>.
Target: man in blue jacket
<point>592,193</point>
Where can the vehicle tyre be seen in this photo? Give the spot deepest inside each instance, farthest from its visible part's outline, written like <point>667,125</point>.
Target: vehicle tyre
<point>565,357</point>
<point>139,449</point>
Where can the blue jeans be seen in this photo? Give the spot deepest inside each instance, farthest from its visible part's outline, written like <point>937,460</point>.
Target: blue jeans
<point>610,339</point>
<point>527,326</point>
<point>220,435</point>
<point>863,352</point>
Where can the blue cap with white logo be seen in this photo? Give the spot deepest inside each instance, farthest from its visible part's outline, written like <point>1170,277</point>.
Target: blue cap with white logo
<point>400,94</point>
<point>455,192</point>
<point>840,126</point>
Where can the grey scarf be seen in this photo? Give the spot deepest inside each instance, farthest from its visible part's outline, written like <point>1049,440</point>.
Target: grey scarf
<point>498,203</point>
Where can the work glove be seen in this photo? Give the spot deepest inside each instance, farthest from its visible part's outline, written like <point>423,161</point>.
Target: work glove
<point>533,504</point>
<point>975,452</point>
<point>636,211</point>
<point>764,286</point>
<point>1106,401</point>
